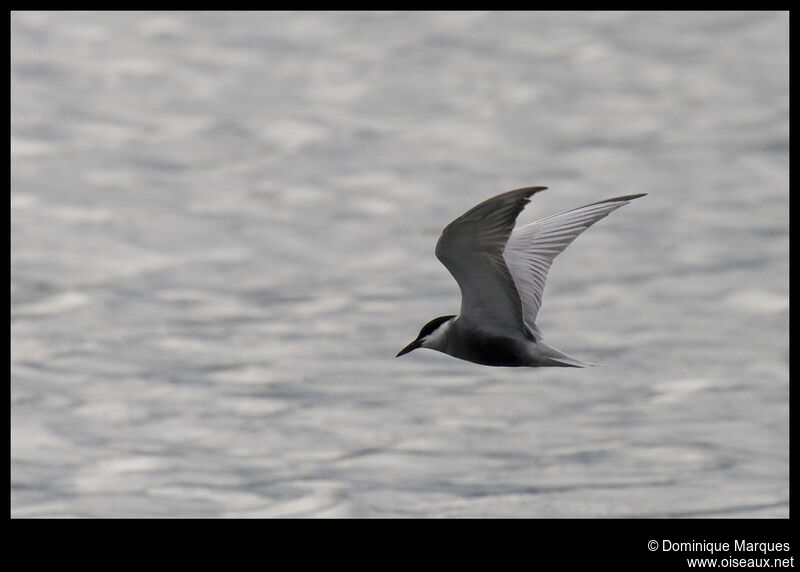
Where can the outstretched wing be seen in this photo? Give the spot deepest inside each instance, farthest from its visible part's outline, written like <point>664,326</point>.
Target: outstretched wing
<point>471,248</point>
<point>530,249</point>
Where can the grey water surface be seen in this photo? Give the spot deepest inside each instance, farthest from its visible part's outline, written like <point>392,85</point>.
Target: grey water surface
<point>223,229</point>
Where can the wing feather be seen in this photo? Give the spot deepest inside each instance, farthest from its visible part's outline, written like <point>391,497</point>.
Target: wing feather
<point>530,249</point>
<point>471,248</point>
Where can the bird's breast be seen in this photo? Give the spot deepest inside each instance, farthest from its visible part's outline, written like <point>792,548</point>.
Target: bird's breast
<point>486,348</point>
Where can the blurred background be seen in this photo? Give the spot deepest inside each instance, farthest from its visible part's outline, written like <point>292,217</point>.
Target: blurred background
<point>223,230</point>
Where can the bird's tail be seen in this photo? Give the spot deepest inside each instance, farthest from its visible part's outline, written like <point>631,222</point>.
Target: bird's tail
<point>554,358</point>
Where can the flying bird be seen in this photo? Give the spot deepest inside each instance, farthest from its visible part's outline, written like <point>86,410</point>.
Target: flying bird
<point>501,271</point>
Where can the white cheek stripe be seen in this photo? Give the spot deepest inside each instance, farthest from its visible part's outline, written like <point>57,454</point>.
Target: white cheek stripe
<point>439,334</point>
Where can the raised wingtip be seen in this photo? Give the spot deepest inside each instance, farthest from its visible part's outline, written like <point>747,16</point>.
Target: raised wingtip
<point>629,197</point>
<point>625,198</point>
<point>617,199</point>
<point>530,190</point>
<point>526,192</point>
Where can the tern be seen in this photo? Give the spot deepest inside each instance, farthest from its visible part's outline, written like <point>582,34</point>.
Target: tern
<point>501,272</point>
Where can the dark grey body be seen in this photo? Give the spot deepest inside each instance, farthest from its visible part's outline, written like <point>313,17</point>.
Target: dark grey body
<point>459,338</point>
<point>469,342</point>
<point>486,349</point>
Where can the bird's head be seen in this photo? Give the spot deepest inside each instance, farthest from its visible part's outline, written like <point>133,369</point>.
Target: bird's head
<point>433,335</point>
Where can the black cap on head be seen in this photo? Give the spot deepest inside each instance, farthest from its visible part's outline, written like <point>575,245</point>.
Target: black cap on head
<point>426,330</point>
